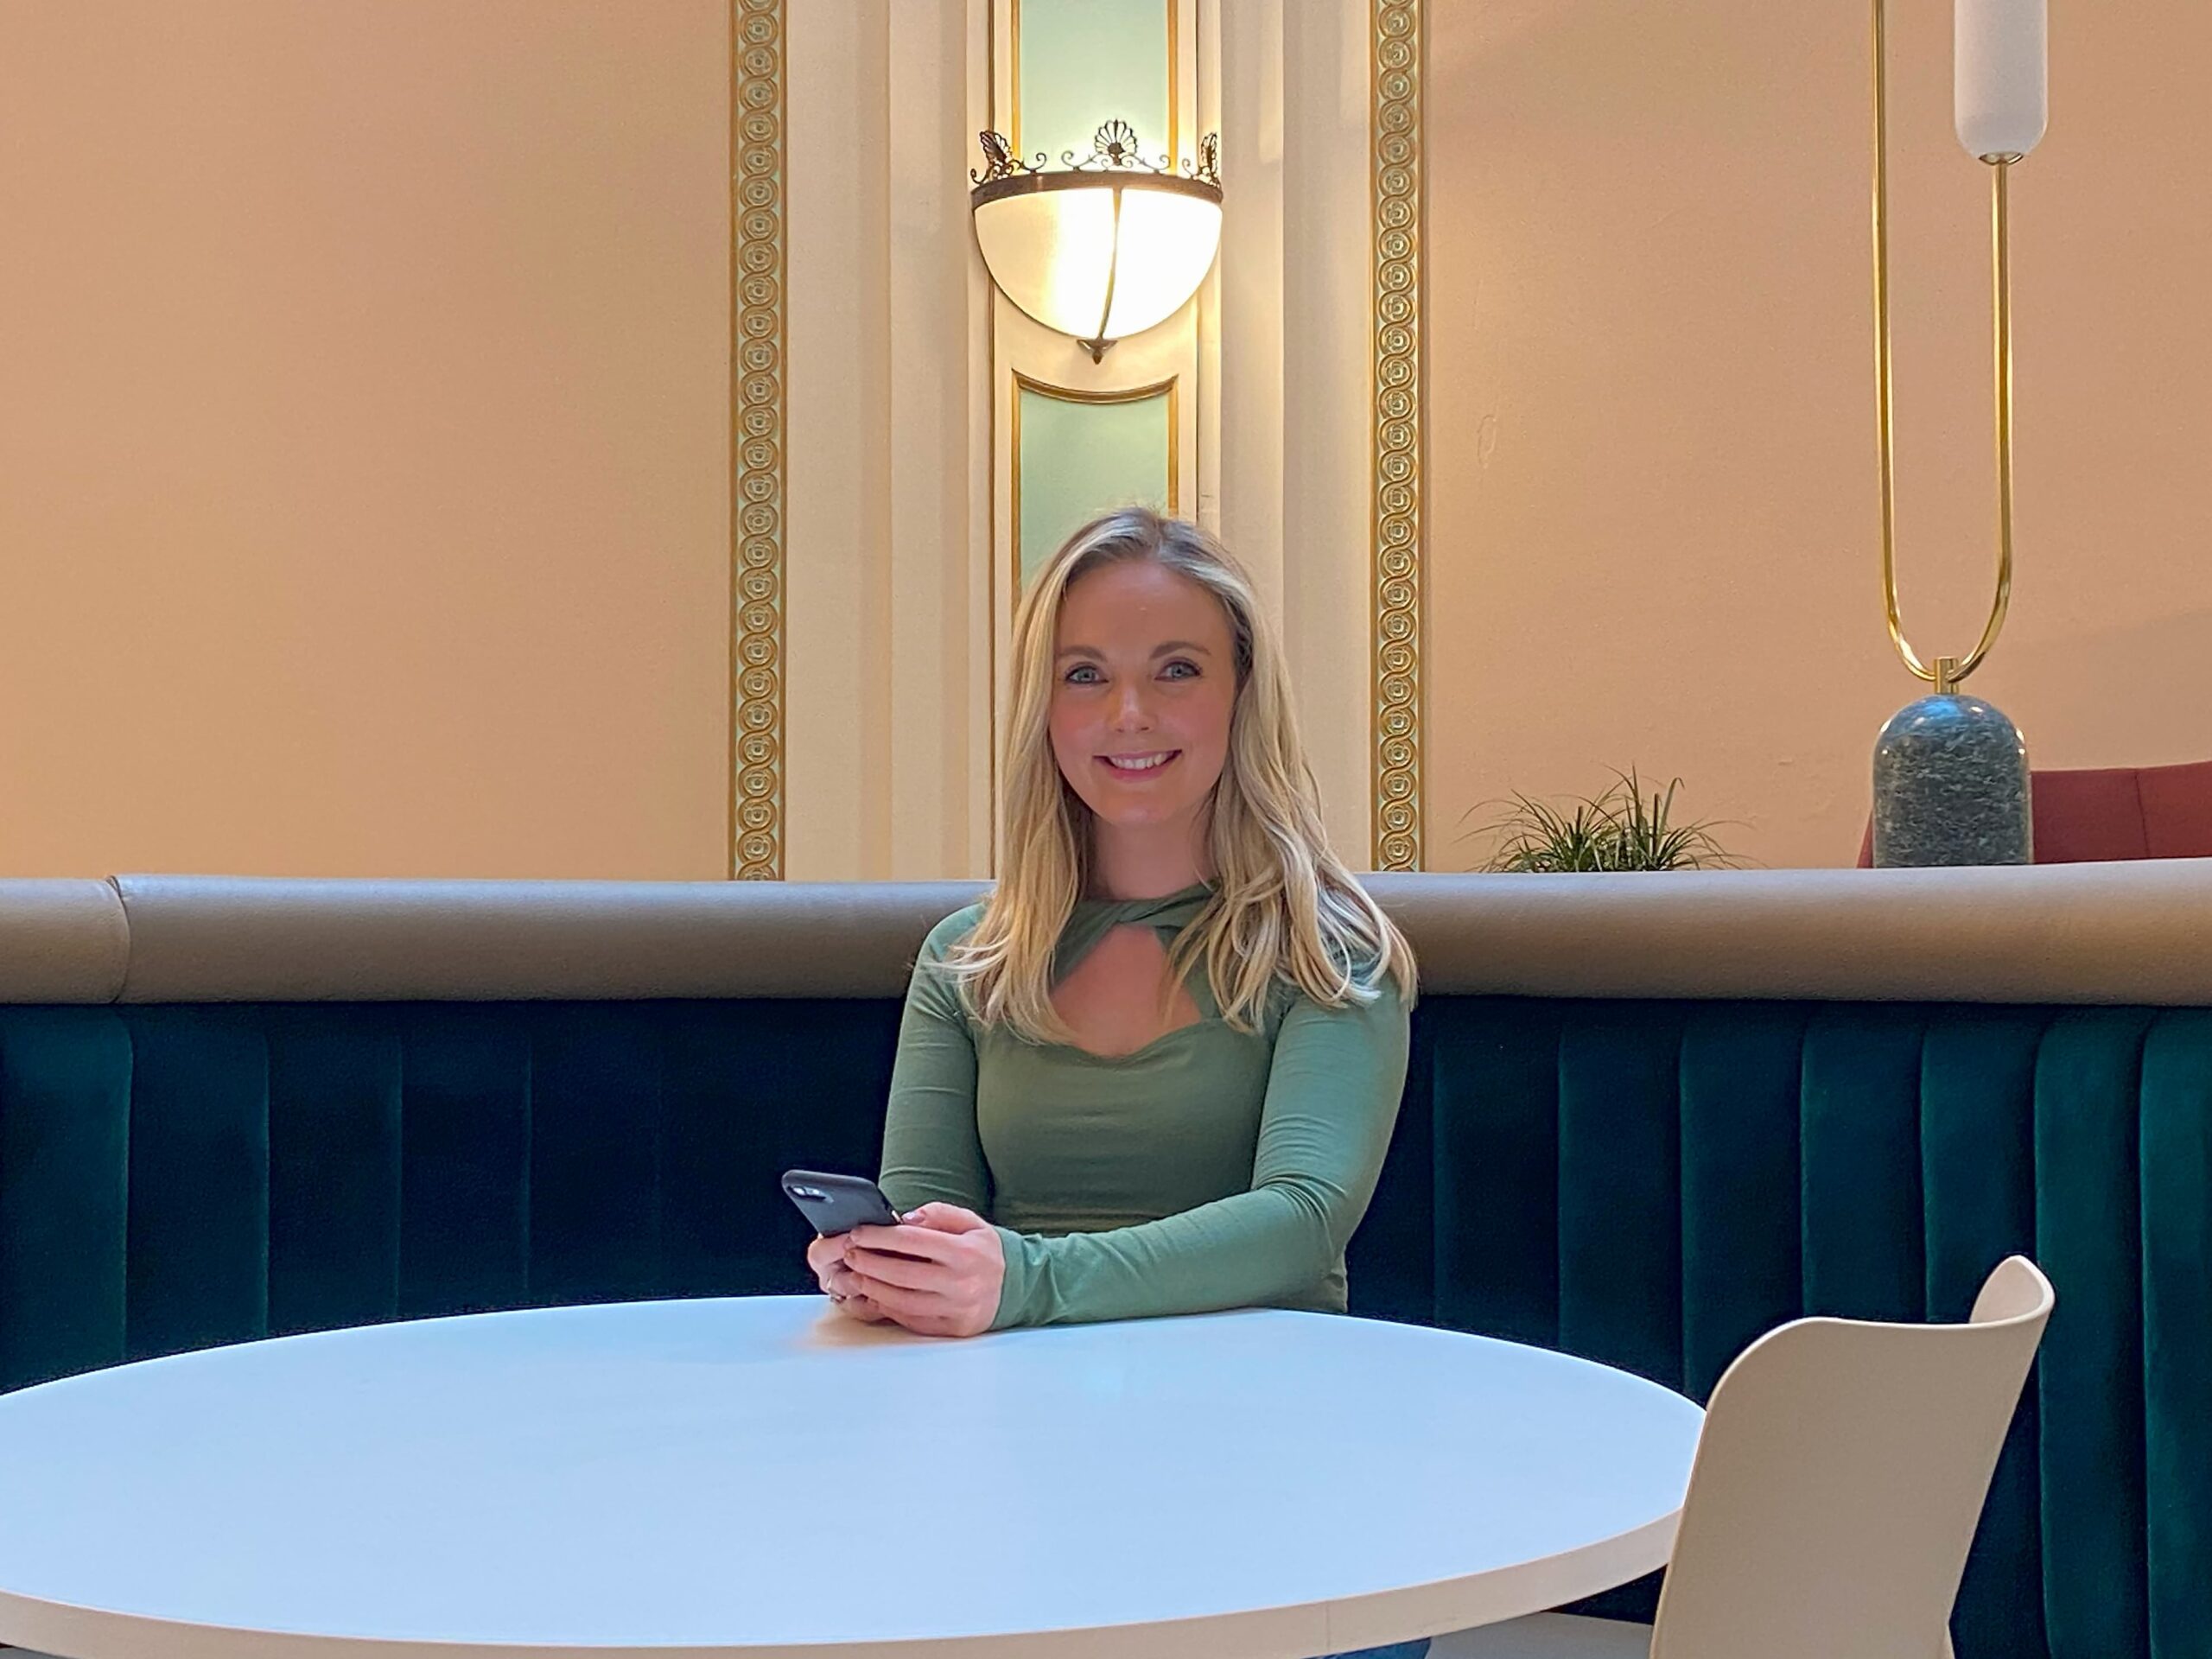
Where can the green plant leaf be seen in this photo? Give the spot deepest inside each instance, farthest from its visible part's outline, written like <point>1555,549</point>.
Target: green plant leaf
<point>1620,827</point>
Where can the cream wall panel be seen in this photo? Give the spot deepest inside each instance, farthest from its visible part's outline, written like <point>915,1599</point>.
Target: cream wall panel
<point>938,290</point>
<point>1296,305</point>
<point>837,807</point>
<point>902,555</point>
<point>889,618</point>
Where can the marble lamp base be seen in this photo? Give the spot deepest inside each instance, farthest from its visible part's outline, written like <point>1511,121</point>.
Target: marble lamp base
<point>1951,786</point>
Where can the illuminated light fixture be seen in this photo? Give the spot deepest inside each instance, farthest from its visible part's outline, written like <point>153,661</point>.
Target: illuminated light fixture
<point>1102,247</point>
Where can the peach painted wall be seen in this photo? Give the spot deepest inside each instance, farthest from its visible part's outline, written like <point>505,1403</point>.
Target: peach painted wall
<point>1653,509</point>
<point>364,409</point>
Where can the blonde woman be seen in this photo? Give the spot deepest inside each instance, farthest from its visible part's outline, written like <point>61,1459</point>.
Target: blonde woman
<point>1156,1071</point>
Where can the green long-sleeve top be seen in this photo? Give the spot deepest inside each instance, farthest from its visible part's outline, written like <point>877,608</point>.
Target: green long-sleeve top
<point>1212,1168</point>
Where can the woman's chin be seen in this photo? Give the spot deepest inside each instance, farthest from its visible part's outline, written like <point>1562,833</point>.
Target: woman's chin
<point>1153,798</point>
<point>1138,814</point>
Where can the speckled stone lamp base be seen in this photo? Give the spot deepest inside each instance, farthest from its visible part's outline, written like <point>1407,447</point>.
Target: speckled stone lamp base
<point>1951,786</point>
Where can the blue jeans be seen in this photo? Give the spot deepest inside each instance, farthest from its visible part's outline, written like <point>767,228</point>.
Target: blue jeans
<point>1395,1650</point>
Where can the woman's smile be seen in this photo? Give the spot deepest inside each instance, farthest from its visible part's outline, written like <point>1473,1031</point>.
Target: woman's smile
<point>1139,766</point>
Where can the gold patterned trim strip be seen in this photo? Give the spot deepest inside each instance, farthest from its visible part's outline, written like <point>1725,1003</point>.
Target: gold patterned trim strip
<point>757,440</point>
<point>1394,134</point>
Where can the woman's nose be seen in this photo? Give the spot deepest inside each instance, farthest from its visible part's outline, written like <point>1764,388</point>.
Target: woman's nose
<point>1131,711</point>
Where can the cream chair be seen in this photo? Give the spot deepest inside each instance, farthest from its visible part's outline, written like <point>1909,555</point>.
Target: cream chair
<point>1836,1488</point>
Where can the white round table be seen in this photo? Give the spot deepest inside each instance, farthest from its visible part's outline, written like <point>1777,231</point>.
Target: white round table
<point>758,1478</point>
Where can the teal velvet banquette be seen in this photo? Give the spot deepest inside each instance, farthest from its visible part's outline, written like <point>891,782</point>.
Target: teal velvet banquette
<point>1648,1117</point>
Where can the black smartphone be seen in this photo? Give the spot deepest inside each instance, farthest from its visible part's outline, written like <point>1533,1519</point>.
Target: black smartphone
<point>837,1204</point>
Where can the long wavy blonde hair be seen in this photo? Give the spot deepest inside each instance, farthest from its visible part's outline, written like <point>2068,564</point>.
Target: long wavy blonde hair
<point>1284,908</point>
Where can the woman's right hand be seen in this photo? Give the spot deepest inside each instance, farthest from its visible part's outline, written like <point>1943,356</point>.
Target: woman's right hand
<point>826,1257</point>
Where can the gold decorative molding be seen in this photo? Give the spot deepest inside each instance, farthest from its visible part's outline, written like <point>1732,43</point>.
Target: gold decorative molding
<point>756,144</point>
<point>1394,136</point>
<point>1174,80</point>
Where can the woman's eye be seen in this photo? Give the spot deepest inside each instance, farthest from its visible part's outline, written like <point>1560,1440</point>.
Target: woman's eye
<point>1089,673</point>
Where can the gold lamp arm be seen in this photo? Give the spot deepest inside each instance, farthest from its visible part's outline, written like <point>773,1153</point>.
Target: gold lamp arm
<point>1945,672</point>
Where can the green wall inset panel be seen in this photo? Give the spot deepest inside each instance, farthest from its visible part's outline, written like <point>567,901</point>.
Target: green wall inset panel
<point>1074,458</point>
<point>1082,63</point>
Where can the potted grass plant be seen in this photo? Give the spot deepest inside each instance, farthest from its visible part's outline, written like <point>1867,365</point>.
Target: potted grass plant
<point>1620,827</point>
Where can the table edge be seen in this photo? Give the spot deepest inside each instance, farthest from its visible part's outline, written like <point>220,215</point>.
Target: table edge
<point>1294,1631</point>
<point>1299,1631</point>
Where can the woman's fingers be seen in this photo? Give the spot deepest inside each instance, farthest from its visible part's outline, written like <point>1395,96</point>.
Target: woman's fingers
<point>882,1267</point>
<point>902,1241</point>
<point>824,1257</point>
<point>939,1274</point>
<point>919,1311</point>
<point>946,1219</point>
<point>850,1297</point>
<point>883,1300</point>
<point>860,1309</point>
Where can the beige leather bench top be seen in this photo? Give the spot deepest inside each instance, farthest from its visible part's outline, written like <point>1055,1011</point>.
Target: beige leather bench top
<point>61,942</point>
<point>2132,932</point>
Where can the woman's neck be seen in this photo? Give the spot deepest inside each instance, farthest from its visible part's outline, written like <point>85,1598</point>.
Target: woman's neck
<point>1147,863</point>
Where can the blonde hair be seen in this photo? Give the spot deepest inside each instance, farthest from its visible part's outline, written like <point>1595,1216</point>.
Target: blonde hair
<point>1284,909</point>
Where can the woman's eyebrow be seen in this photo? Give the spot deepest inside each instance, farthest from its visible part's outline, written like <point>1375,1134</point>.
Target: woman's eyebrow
<point>1157,650</point>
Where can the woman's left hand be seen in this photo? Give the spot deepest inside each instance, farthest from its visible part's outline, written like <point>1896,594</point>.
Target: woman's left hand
<point>938,1274</point>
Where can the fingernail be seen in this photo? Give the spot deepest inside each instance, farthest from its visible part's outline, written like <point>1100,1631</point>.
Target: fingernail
<point>911,1215</point>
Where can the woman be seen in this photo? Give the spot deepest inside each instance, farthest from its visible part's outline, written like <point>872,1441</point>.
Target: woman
<point>1156,1071</point>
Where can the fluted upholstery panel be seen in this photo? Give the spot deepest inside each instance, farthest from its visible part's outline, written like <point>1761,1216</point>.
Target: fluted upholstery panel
<point>1650,1184</point>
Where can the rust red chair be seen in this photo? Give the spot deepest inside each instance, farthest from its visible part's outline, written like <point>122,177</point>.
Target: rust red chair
<point>2094,815</point>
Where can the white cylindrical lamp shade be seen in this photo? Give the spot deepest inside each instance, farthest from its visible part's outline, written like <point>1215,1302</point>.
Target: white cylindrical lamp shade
<point>2000,57</point>
<point>1062,251</point>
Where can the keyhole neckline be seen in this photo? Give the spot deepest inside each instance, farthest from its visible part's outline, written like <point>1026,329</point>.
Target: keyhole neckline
<point>1171,909</point>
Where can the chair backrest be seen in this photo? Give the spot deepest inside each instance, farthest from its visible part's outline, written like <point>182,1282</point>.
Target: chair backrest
<point>1838,1479</point>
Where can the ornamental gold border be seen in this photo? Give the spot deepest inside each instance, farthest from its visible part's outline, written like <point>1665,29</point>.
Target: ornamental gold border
<point>757,483</point>
<point>1395,142</point>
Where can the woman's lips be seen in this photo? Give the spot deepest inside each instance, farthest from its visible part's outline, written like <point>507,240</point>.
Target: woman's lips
<point>1167,758</point>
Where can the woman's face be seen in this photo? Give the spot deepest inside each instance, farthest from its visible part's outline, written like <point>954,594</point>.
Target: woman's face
<point>1145,681</point>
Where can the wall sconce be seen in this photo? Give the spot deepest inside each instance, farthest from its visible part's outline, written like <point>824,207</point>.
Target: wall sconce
<point>1102,247</point>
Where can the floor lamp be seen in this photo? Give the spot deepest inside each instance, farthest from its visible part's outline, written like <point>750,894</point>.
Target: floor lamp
<point>1951,771</point>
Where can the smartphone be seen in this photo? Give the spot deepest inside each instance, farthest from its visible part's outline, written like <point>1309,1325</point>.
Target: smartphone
<point>837,1204</point>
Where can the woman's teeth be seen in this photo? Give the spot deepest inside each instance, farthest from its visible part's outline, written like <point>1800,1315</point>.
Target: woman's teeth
<point>1140,762</point>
